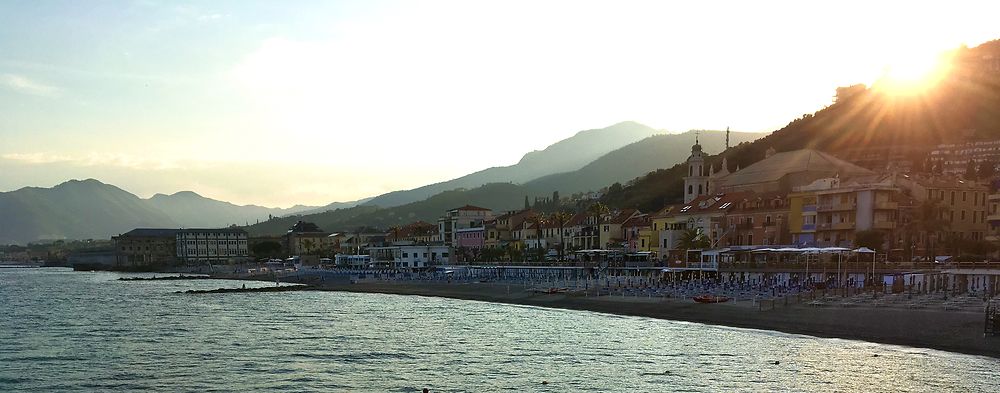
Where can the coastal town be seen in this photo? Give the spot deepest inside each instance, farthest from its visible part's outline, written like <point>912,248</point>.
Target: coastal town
<point>792,222</point>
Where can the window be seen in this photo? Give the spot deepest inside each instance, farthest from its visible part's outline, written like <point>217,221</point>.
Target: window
<point>964,196</point>
<point>690,189</point>
<point>963,215</point>
<point>699,189</point>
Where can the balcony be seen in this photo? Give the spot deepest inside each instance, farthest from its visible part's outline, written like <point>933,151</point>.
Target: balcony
<point>886,205</point>
<point>829,207</point>
<point>884,225</point>
<point>808,208</point>
<point>834,226</point>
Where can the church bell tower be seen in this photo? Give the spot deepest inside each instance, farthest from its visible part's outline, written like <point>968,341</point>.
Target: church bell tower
<point>696,182</point>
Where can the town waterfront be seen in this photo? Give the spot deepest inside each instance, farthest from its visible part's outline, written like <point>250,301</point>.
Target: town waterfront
<point>87,331</point>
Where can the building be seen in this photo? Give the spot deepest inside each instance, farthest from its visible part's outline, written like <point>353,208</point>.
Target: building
<point>211,246</point>
<point>611,235</point>
<point>953,158</point>
<point>306,238</point>
<point>965,202</point>
<point>412,256</point>
<point>165,246</point>
<point>499,231</point>
<point>696,181</point>
<point>637,233</point>
<point>759,219</point>
<point>467,216</point>
<point>470,238</point>
<point>146,247</point>
<point>781,172</point>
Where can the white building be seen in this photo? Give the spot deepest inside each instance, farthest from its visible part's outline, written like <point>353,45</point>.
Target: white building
<point>409,256</point>
<point>211,245</point>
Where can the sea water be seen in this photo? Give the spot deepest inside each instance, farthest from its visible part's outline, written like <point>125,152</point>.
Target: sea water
<point>87,331</point>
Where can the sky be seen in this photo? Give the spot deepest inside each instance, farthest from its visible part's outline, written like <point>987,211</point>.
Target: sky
<point>306,102</point>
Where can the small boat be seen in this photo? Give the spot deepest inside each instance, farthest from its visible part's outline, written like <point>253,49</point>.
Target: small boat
<point>710,299</point>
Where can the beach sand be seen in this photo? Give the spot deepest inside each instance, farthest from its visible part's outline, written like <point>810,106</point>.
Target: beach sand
<point>954,331</point>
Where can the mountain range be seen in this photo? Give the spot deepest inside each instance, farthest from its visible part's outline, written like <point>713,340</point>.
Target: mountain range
<point>566,155</point>
<point>90,209</point>
<point>620,165</point>
<point>589,160</point>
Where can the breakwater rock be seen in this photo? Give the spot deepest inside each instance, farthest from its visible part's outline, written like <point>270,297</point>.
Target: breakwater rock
<point>165,278</point>
<point>286,288</point>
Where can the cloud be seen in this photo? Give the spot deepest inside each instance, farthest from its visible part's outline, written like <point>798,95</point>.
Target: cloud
<point>24,85</point>
<point>95,160</point>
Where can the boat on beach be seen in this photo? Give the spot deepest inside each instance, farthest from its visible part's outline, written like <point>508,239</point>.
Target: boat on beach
<point>711,299</point>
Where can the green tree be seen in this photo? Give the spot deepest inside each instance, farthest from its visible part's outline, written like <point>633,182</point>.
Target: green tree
<point>308,245</point>
<point>598,212</point>
<point>870,238</point>
<point>267,249</point>
<point>692,239</point>
<point>560,219</point>
<point>928,220</point>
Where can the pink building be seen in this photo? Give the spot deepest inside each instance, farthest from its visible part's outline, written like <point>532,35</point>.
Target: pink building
<point>470,238</point>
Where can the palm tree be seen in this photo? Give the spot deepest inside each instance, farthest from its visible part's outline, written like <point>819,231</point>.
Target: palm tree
<point>928,219</point>
<point>308,245</point>
<point>394,230</point>
<point>598,211</point>
<point>537,221</point>
<point>561,218</point>
<point>692,239</point>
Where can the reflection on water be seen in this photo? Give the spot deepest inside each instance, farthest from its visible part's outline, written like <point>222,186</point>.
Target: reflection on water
<point>62,330</point>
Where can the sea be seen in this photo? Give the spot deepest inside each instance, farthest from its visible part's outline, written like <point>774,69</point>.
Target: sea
<point>89,332</point>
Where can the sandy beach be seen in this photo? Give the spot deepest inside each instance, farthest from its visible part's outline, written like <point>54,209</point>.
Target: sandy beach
<point>955,331</point>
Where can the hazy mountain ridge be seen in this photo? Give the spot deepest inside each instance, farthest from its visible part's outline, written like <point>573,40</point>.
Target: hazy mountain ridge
<point>77,209</point>
<point>620,165</point>
<point>566,155</point>
<point>194,210</point>
<point>90,209</point>
<point>638,159</point>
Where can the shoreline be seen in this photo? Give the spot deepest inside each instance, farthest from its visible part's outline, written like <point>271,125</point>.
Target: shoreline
<point>944,330</point>
<point>951,331</point>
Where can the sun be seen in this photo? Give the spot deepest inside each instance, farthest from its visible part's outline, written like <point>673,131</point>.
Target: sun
<point>913,74</point>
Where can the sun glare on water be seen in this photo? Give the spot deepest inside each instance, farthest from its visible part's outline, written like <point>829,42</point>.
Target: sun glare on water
<point>913,74</point>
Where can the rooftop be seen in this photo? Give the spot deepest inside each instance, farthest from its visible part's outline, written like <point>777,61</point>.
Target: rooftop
<point>778,165</point>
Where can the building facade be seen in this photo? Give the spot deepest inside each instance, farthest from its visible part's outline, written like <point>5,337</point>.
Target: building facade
<point>198,246</point>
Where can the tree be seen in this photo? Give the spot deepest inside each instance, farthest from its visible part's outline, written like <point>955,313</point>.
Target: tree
<point>537,221</point>
<point>560,219</point>
<point>526,204</point>
<point>598,211</point>
<point>870,238</point>
<point>928,219</point>
<point>970,170</point>
<point>267,249</point>
<point>987,170</point>
<point>308,245</point>
<point>692,239</point>
<point>394,231</point>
